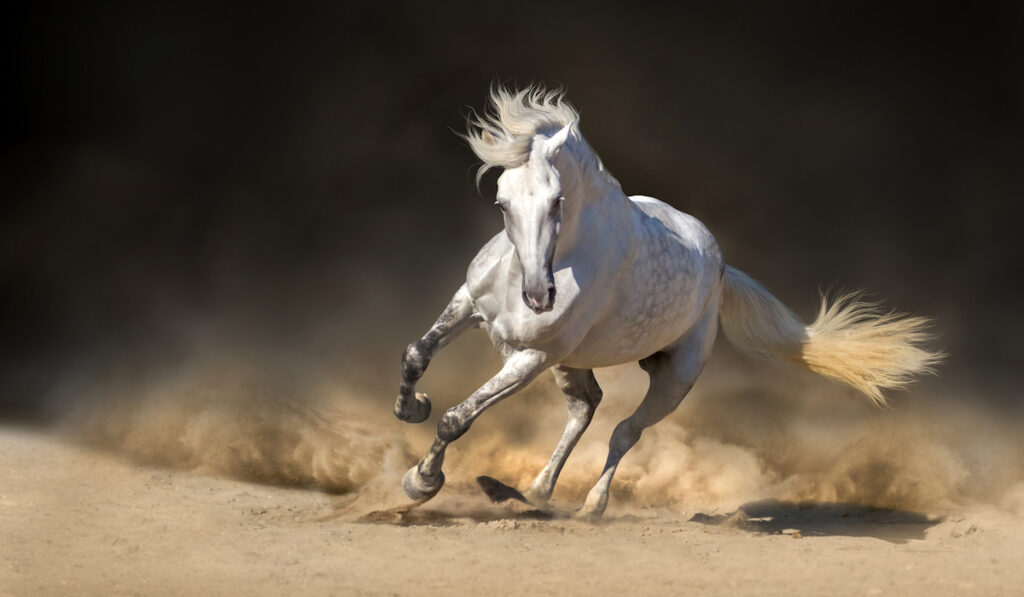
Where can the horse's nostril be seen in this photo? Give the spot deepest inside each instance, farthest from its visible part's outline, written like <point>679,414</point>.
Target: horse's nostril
<point>537,304</point>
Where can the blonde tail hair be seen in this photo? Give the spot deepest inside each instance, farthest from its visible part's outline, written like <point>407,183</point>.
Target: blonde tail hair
<point>851,341</point>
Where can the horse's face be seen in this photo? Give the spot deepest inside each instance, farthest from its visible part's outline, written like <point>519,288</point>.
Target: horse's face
<point>530,198</point>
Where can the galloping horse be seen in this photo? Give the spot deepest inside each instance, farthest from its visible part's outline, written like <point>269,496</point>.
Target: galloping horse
<point>583,276</point>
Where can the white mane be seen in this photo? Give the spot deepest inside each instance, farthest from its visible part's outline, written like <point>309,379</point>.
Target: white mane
<point>501,136</point>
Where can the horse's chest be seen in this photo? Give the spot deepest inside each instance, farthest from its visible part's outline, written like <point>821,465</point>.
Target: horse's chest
<point>508,321</point>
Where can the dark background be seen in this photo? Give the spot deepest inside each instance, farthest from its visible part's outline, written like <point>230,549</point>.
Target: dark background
<point>283,183</point>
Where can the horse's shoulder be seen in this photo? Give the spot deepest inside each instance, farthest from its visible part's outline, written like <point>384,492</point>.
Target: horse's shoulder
<point>481,270</point>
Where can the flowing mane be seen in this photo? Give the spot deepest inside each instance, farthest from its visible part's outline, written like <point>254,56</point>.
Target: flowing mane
<point>501,136</point>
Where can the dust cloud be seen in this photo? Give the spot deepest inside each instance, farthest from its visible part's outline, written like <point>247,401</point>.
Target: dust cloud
<point>747,432</point>
<point>230,418</point>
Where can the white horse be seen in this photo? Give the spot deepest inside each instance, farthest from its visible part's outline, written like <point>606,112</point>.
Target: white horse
<point>583,276</point>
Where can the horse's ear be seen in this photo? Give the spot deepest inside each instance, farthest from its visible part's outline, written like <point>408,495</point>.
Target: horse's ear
<point>487,137</point>
<point>556,141</point>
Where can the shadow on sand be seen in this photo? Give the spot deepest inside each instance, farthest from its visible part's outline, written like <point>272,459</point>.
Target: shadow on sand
<point>824,520</point>
<point>770,517</point>
<point>412,516</point>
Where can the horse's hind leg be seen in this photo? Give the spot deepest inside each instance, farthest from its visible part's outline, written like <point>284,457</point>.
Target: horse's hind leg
<point>459,315</point>
<point>583,393</point>
<point>672,374</point>
<point>425,479</point>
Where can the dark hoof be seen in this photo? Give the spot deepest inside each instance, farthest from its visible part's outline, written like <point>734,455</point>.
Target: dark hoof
<point>418,488</point>
<point>498,491</point>
<point>416,410</point>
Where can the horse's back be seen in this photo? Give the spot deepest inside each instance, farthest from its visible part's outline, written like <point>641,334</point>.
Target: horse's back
<point>689,229</point>
<point>676,242</point>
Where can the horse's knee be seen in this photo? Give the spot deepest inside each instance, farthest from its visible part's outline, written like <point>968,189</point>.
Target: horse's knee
<point>584,407</point>
<point>452,426</point>
<point>415,360</point>
<point>582,390</point>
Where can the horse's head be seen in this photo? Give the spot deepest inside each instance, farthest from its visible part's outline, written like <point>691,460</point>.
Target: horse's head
<point>530,198</point>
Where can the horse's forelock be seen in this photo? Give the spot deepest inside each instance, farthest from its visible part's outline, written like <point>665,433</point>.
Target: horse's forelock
<point>501,136</point>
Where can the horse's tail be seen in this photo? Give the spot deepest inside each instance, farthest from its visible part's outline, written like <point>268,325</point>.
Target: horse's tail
<point>851,341</point>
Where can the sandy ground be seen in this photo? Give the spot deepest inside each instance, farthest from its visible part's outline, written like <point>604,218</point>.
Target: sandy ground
<point>75,521</point>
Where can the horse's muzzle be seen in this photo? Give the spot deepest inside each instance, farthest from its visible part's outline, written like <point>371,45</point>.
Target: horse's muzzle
<point>540,302</point>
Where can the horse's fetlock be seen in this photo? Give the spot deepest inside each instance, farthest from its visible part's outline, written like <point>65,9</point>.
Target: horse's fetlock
<point>415,360</point>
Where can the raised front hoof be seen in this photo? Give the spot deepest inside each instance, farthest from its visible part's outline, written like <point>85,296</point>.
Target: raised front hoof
<point>416,410</point>
<point>419,488</point>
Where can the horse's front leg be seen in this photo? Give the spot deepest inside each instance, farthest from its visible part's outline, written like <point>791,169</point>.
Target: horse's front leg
<point>425,479</point>
<point>412,406</point>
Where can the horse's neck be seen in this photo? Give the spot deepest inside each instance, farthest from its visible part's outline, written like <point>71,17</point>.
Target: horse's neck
<point>602,212</point>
